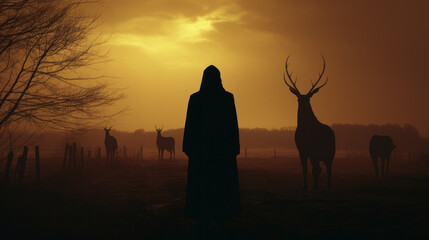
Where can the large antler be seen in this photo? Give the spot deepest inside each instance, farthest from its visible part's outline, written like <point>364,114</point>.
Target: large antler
<point>314,90</point>
<point>292,88</point>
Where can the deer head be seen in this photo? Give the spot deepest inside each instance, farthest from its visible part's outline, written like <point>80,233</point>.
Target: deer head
<point>314,88</point>
<point>159,130</point>
<point>107,131</point>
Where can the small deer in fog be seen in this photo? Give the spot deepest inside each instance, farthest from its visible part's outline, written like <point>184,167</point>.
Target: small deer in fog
<point>381,147</point>
<point>111,144</point>
<point>313,139</point>
<point>164,143</point>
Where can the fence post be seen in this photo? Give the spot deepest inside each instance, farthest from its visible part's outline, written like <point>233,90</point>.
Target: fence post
<point>65,156</point>
<point>99,154</point>
<point>74,155</point>
<point>141,152</point>
<point>21,165</point>
<point>89,156</point>
<point>6,178</point>
<point>36,148</point>
<point>81,157</point>
<point>70,156</point>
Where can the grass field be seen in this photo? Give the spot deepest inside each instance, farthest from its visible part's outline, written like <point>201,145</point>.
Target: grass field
<point>145,200</point>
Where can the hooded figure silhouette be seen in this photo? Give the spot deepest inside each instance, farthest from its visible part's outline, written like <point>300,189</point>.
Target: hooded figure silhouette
<point>211,141</point>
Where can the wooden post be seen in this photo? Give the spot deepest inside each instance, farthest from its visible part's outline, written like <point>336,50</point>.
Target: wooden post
<point>141,152</point>
<point>36,148</point>
<point>74,155</point>
<point>99,154</point>
<point>81,157</point>
<point>65,156</point>
<point>70,156</point>
<point>6,178</point>
<point>21,163</point>
<point>125,154</point>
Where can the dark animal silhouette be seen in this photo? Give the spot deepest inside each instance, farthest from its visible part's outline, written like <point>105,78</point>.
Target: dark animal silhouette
<point>381,147</point>
<point>164,143</point>
<point>111,145</point>
<point>313,139</point>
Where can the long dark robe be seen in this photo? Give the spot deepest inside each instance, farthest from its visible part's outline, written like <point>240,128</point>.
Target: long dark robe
<point>211,141</point>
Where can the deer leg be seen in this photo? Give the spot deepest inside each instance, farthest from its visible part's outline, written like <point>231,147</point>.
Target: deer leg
<point>374,160</point>
<point>316,172</point>
<point>171,154</point>
<point>382,166</point>
<point>303,159</point>
<point>329,172</point>
<point>387,164</point>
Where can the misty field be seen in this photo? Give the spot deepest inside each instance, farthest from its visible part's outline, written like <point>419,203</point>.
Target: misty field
<point>137,199</point>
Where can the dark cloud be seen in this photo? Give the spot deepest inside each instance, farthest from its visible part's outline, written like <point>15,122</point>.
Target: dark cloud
<point>376,51</point>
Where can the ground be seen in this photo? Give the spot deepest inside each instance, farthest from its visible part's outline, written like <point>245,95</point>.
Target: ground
<point>146,199</point>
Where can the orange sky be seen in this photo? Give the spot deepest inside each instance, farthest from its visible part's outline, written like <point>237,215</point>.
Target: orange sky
<point>376,54</point>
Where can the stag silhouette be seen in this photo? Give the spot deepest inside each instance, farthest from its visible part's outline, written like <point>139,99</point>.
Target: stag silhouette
<point>314,140</point>
<point>381,147</point>
<point>111,144</point>
<point>164,143</point>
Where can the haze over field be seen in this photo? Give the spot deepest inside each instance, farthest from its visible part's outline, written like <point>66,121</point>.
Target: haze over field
<point>376,53</point>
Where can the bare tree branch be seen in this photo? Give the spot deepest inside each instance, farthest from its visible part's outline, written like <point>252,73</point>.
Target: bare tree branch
<point>44,47</point>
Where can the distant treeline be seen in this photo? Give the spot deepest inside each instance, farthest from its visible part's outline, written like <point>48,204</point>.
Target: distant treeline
<point>348,137</point>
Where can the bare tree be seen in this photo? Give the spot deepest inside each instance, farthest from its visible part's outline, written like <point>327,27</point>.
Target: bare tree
<point>47,48</point>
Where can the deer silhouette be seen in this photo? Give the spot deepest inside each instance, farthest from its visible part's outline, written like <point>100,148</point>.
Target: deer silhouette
<point>381,147</point>
<point>164,143</point>
<point>314,140</point>
<point>111,144</point>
